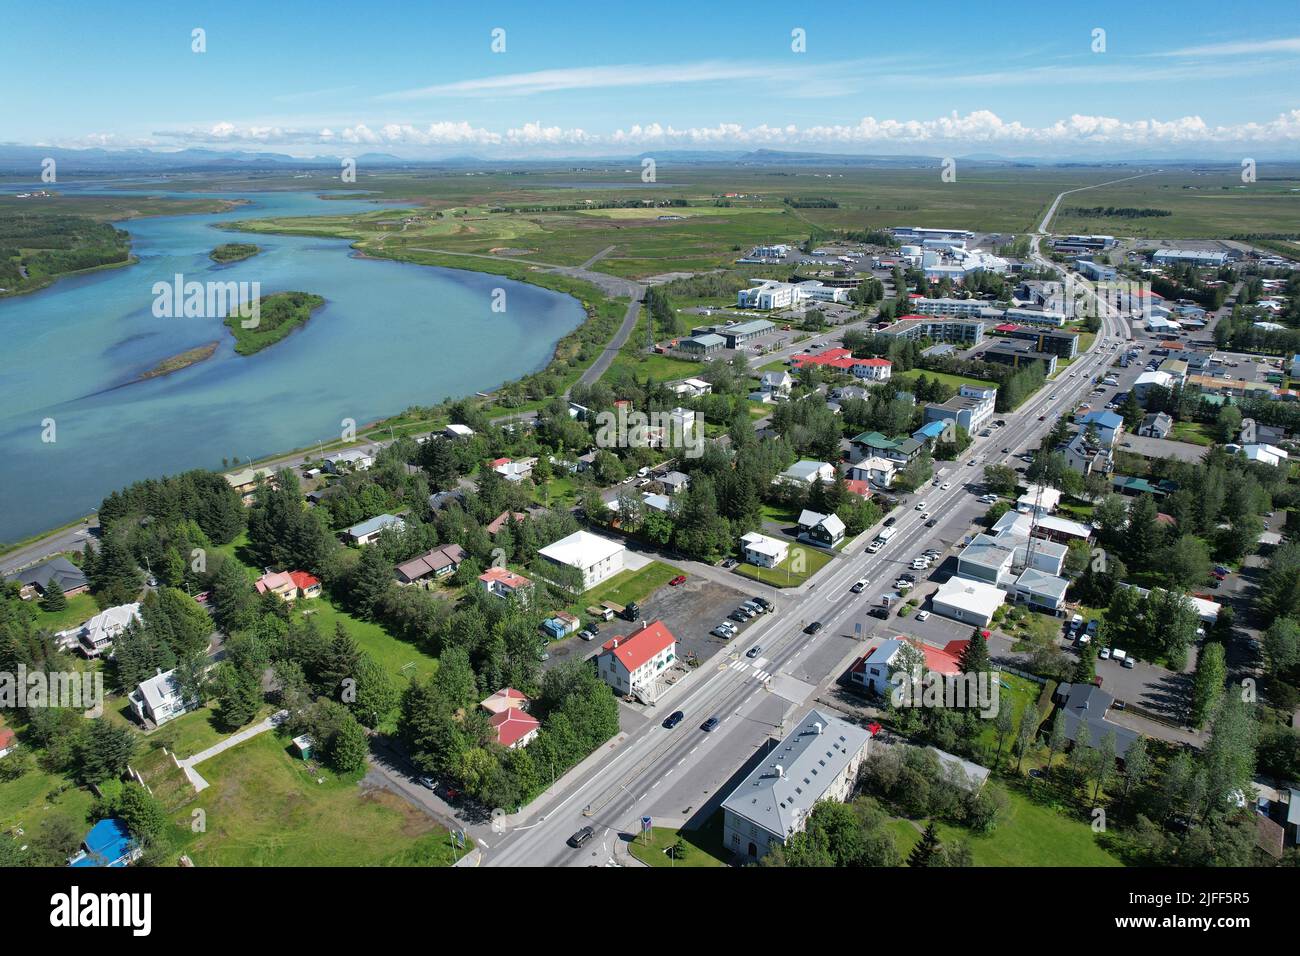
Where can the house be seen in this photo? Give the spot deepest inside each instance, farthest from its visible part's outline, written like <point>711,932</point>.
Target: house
<point>98,634</point>
<point>879,472</point>
<point>858,486</point>
<point>599,559</point>
<point>1107,424</point>
<point>1088,704</point>
<point>504,583</point>
<point>345,462</point>
<point>776,385</point>
<point>1149,380</point>
<point>805,473</point>
<point>458,431</point>
<point>1042,499</point>
<point>504,518</point>
<point>763,551</point>
<point>818,760</point>
<point>38,579</point>
<point>109,843</point>
<point>691,388</point>
<point>514,729</point>
<point>631,664</point>
<point>289,585</point>
<point>873,670</point>
<point>507,698</point>
<point>160,699</point>
<point>825,531</point>
<point>245,481</point>
<point>1158,425</point>
<point>367,531</point>
<point>434,564</point>
<point>673,483</point>
<point>1087,459</point>
<point>973,602</point>
<point>514,470</point>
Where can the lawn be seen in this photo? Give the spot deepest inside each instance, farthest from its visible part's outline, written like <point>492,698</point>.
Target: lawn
<point>37,796</point>
<point>781,514</point>
<point>265,808</point>
<point>184,736</point>
<point>956,381</point>
<point>784,574</point>
<point>631,586</point>
<point>703,846</point>
<point>1194,433</point>
<point>81,608</point>
<point>399,658</point>
<point>1026,835</point>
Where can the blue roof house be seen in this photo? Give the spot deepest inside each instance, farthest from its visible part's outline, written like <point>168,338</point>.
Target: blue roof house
<point>109,843</point>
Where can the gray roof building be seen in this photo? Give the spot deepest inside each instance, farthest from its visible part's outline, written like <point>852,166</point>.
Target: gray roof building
<point>1089,704</point>
<point>818,761</point>
<point>59,568</point>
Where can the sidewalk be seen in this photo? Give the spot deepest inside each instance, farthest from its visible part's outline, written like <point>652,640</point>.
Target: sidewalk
<point>248,733</point>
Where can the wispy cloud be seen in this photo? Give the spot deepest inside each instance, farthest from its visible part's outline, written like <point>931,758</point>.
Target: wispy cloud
<point>1234,48</point>
<point>597,77</point>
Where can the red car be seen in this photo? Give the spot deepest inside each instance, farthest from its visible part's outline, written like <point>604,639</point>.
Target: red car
<point>680,579</point>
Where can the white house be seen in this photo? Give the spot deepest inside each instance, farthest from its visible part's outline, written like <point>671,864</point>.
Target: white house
<point>878,471</point>
<point>98,634</point>
<point>597,558</point>
<point>632,664</point>
<point>776,384</point>
<point>367,531</point>
<point>762,551</point>
<point>159,699</point>
<point>965,600</point>
<point>458,431</point>
<point>874,670</point>
<point>806,473</point>
<point>345,461</point>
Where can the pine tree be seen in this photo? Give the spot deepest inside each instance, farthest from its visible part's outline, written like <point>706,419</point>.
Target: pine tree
<point>926,851</point>
<point>975,656</point>
<point>53,599</point>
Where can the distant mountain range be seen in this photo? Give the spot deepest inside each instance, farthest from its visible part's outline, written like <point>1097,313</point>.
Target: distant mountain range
<point>18,160</point>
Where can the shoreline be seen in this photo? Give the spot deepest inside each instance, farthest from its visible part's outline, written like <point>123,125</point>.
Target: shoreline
<point>179,362</point>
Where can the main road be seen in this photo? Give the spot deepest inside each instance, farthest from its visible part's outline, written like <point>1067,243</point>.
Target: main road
<point>752,697</point>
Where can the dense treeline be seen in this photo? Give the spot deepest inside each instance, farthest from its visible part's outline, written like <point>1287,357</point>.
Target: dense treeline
<point>35,248</point>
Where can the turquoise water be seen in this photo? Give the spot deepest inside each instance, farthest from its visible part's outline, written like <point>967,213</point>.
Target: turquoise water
<point>390,335</point>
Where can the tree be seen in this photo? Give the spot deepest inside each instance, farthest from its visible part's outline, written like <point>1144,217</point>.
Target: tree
<point>1207,684</point>
<point>974,657</point>
<point>1026,733</point>
<point>53,599</point>
<point>1003,723</point>
<point>1137,765</point>
<point>349,747</point>
<point>116,579</point>
<point>927,849</point>
<point>1057,739</point>
<point>143,815</point>
<point>103,750</point>
<point>1104,763</point>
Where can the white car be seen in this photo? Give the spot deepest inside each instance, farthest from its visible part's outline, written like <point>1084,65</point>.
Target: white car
<point>920,506</point>
<point>945,486</point>
<point>922,615</point>
<point>1119,655</point>
<point>859,585</point>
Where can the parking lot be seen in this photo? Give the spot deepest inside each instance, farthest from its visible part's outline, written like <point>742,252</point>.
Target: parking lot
<point>689,611</point>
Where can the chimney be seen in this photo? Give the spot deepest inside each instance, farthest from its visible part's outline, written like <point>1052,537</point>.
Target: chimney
<point>780,771</point>
<point>817,728</point>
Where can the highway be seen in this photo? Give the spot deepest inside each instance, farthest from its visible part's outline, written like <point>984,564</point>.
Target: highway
<point>613,794</point>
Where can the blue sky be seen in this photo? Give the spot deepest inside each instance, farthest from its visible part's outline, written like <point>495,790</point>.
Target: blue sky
<point>420,78</point>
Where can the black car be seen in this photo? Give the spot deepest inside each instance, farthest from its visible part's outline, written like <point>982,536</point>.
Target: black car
<point>710,724</point>
<point>932,522</point>
<point>764,603</point>
<point>673,719</point>
<point>813,628</point>
<point>581,837</point>
<point>632,611</point>
<point>754,651</point>
<point>889,522</point>
<point>880,612</point>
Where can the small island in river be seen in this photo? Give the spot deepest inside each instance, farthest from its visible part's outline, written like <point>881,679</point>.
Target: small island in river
<point>234,252</point>
<point>278,315</point>
<point>177,362</point>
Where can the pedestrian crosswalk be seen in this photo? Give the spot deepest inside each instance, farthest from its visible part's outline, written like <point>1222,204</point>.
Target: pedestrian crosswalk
<point>757,668</point>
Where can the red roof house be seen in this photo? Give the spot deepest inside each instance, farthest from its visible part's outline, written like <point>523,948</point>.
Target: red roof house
<point>634,661</point>
<point>514,728</point>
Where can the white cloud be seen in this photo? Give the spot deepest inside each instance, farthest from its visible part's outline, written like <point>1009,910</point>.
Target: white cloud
<point>979,128</point>
<point>1278,45</point>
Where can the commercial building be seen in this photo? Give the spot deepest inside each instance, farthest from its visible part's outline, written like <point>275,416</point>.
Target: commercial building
<point>937,328</point>
<point>919,234</point>
<point>1196,257</point>
<point>972,602</point>
<point>701,346</point>
<point>736,334</point>
<point>1018,355</point>
<point>1060,343</point>
<point>1095,270</point>
<point>599,559</point>
<point>817,761</point>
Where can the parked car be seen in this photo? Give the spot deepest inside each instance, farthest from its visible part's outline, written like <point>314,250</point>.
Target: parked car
<point>739,616</point>
<point>1103,653</point>
<point>765,604</point>
<point>813,628</point>
<point>879,612</point>
<point>673,719</point>
<point>586,634</point>
<point>1128,663</point>
<point>680,579</point>
<point>725,633</point>
<point>922,615</point>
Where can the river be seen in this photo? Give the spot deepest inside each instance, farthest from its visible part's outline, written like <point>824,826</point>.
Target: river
<point>390,335</point>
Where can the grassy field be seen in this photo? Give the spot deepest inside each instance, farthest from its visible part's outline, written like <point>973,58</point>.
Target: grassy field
<point>1194,433</point>
<point>81,608</point>
<point>400,659</point>
<point>784,574</point>
<point>1026,835</point>
<point>956,381</point>
<point>703,846</point>
<point>265,808</point>
<point>37,796</point>
<point>628,586</point>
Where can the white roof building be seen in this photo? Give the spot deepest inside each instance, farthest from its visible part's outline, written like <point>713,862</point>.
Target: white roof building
<point>971,601</point>
<point>763,551</point>
<point>98,634</point>
<point>596,557</point>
